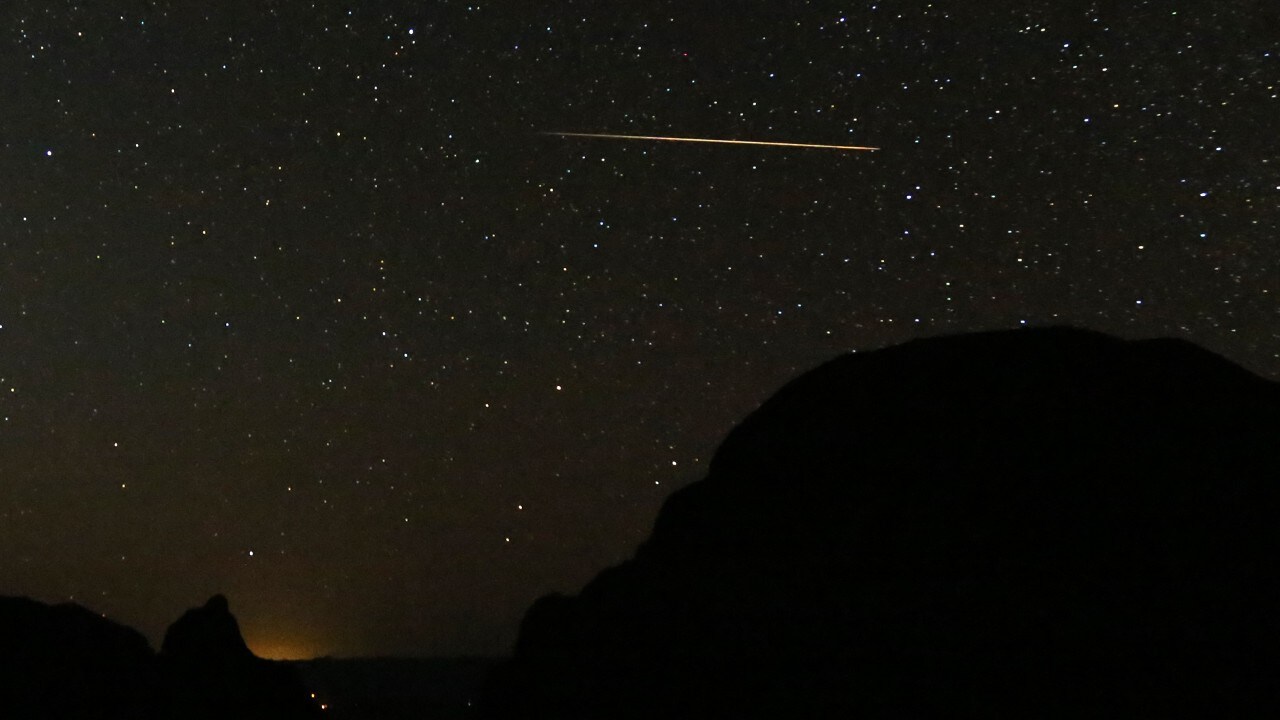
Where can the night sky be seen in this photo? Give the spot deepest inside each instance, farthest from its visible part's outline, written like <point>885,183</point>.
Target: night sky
<point>299,304</point>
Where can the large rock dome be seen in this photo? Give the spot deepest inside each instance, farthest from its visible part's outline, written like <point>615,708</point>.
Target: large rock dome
<point>1007,524</point>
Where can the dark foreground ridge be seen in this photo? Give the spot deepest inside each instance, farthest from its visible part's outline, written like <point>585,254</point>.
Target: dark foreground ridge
<point>1011,524</point>
<point>63,661</point>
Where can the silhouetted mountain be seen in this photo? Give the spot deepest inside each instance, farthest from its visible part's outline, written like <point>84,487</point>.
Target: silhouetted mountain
<point>205,635</point>
<point>211,673</point>
<point>64,661</point>
<point>1008,524</point>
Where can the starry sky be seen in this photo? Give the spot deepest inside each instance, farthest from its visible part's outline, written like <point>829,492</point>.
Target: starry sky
<point>299,304</point>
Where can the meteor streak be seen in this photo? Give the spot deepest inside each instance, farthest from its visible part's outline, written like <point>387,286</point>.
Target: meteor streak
<point>711,140</point>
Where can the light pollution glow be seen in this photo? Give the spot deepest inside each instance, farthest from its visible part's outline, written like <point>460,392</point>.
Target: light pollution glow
<point>283,648</point>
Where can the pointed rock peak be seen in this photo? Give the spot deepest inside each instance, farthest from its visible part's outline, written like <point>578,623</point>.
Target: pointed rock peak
<point>207,633</point>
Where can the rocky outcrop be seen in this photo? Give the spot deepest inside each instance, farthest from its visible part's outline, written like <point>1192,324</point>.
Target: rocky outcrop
<point>1031,523</point>
<point>64,661</point>
<point>205,635</point>
<point>211,673</point>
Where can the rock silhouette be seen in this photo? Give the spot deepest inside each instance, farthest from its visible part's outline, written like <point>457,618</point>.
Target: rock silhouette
<point>205,635</point>
<point>210,672</point>
<point>1010,524</point>
<point>64,661</point>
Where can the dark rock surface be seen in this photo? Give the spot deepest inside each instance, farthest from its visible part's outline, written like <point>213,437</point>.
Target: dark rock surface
<point>1008,524</point>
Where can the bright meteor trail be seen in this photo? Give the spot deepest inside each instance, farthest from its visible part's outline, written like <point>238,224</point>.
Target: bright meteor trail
<point>711,140</point>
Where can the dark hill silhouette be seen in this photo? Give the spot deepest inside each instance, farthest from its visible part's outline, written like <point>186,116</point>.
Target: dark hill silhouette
<point>64,661</point>
<point>1008,524</point>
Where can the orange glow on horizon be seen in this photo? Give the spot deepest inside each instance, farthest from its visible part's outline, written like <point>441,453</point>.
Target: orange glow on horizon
<point>283,649</point>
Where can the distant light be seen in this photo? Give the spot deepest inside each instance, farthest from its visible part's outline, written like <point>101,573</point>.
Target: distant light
<point>48,153</point>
